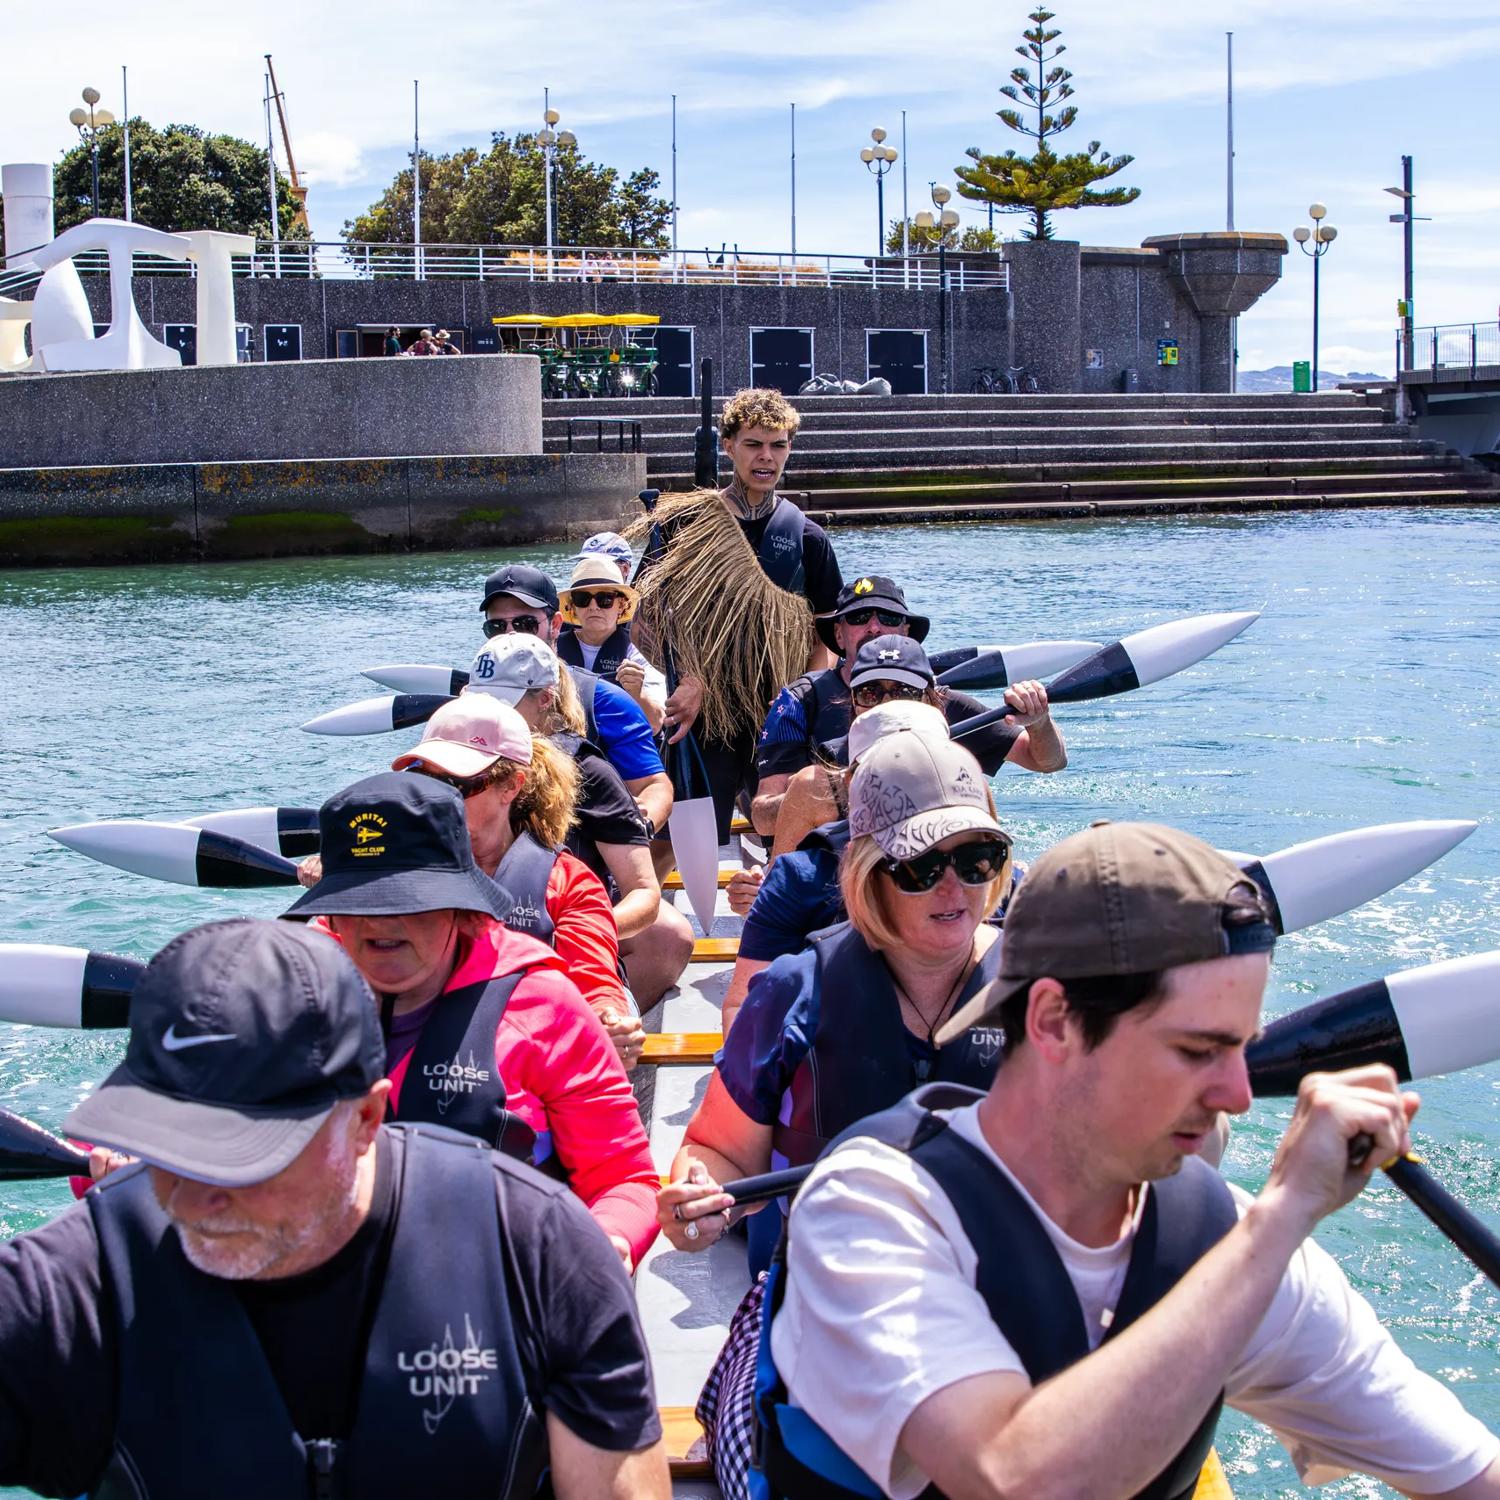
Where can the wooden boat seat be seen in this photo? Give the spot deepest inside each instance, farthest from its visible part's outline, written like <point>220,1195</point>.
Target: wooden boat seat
<point>685,1047</point>
<point>673,882</point>
<point>687,1454</point>
<point>716,950</point>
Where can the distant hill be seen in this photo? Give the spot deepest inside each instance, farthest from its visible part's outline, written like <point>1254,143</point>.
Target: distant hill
<point>1279,378</point>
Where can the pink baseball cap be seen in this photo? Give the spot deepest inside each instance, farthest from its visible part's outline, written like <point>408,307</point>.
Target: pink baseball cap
<point>467,736</point>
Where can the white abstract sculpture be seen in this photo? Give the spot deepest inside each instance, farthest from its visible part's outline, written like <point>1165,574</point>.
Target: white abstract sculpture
<point>127,345</point>
<point>213,251</point>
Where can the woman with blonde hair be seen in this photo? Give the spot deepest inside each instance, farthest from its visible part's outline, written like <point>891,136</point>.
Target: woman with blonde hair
<point>519,792</point>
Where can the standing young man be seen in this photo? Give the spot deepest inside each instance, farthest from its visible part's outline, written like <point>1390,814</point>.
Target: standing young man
<point>1043,1290</point>
<point>731,582</point>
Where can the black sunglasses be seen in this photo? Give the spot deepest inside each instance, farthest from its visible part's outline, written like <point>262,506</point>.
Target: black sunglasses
<point>974,864</point>
<point>869,612</point>
<point>869,694</point>
<point>465,786</point>
<point>604,598</point>
<point>522,625</point>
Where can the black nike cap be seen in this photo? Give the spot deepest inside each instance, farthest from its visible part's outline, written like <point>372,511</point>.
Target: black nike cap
<point>244,1035</point>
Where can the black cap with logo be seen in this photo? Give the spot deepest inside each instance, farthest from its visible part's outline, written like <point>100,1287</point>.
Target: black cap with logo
<point>243,1037</point>
<point>393,844</point>
<point>871,591</point>
<point>529,585</point>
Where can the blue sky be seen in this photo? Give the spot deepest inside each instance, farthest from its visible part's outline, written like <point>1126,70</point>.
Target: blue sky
<point>1328,97</point>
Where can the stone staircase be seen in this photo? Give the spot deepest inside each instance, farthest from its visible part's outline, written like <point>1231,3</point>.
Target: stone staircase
<point>864,459</point>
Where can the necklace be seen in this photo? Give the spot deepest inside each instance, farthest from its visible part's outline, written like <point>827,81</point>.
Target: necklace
<point>942,1010</point>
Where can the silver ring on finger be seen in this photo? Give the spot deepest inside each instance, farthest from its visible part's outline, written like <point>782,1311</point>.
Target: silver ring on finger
<point>691,1232</point>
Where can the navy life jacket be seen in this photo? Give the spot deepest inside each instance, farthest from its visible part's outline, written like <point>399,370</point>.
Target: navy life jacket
<point>780,548</point>
<point>523,875</point>
<point>826,711</point>
<point>587,684</point>
<point>442,1394</point>
<point>611,655</point>
<point>1023,1282</point>
<point>860,1062</point>
<point>451,1078</point>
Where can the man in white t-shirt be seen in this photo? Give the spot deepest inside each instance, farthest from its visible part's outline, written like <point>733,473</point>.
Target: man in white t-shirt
<point>1134,964</point>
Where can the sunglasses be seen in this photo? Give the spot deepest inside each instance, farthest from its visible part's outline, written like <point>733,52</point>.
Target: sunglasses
<point>604,598</point>
<point>465,786</point>
<point>522,625</point>
<point>869,694</point>
<point>892,617</point>
<point>974,864</point>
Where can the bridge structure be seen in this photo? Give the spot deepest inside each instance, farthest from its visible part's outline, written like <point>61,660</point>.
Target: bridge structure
<point>1448,380</point>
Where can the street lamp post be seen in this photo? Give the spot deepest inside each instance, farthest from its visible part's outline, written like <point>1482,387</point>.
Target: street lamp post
<point>89,122</point>
<point>1407,218</point>
<point>550,140</point>
<point>1321,236</point>
<point>943,221</point>
<point>879,159</point>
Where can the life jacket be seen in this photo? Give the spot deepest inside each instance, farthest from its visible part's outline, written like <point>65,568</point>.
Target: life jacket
<point>442,1394</point>
<point>826,710</point>
<point>859,1062</point>
<point>587,684</point>
<point>780,549</point>
<point>1024,1284</point>
<point>449,1077</point>
<point>611,655</point>
<point>523,875</point>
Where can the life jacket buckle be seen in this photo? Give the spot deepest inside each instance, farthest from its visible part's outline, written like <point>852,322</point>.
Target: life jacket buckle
<point>323,1458</point>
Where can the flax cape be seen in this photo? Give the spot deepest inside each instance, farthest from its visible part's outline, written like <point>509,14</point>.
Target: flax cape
<point>726,623</point>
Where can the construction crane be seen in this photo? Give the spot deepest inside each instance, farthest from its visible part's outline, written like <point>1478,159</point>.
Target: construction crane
<point>299,191</point>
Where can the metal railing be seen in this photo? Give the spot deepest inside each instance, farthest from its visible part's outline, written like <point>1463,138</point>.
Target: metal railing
<point>340,261</point>
<point>1450,351</point>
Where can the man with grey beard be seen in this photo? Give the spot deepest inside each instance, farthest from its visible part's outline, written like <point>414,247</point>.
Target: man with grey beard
<point>285,1296</point>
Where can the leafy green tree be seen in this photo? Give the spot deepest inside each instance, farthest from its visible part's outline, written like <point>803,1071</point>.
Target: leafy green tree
<point>498,197</point>
<point>182,177</point>
<point>919,237</point>
<point>1044,182</point>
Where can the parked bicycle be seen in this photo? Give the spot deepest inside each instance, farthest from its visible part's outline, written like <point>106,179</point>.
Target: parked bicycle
<point>997,380</point>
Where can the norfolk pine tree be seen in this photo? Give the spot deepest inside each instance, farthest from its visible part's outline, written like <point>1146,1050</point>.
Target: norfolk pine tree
<point>1044,182</point>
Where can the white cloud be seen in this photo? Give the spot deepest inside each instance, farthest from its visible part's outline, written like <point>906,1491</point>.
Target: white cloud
<point>325,157</point>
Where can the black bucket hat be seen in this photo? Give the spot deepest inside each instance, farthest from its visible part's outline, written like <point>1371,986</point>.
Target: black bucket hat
<point>871,591</point>
<point>393,844</point>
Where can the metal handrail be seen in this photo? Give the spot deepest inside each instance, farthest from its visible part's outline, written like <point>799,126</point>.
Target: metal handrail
<point>340,260</point>
<point>1449,351</point>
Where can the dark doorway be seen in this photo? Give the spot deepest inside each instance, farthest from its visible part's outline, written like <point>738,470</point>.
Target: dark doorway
<point>781,358</point>
<point>674,361</point>
<point>900,356</point>
<point>183,337</point>
<point>283,341</point>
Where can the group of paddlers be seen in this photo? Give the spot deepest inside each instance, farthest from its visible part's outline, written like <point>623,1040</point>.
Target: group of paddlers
<point>372,1184</point>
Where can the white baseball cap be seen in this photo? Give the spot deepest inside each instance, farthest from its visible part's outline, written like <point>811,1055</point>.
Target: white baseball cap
<point>466,737</point>
<point>898,715</point>
<point>510,666</point>
<point>911,792</point>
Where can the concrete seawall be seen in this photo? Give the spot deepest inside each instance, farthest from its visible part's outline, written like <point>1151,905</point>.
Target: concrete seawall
<point>188,511</point>
<point>314,409</point>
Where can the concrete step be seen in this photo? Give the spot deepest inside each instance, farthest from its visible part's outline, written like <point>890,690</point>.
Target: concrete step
<point>841,501</point>
<point>682,426</point>
<point>812,406</point>
<point>945,477</point>
<point>965,438</point>
<point>1167,505</point>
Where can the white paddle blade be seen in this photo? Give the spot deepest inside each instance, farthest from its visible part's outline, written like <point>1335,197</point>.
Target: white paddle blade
<point>41,984</point>
<point>368,716</point>
<point>1165,649</point>
<point>1328,876</point>
<point>255,825</point>
<point>163,851</point>
<point>695,847</point>
<point>1449,1013</point>
<point>1043,658</point>
<point>412,677</point>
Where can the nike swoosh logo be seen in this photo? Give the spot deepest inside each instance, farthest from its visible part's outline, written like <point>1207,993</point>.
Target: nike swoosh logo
<point>174,1043</point>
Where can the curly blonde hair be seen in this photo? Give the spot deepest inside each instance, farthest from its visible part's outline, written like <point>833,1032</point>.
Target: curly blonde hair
<point>758,406</point>
<point>546,805</point>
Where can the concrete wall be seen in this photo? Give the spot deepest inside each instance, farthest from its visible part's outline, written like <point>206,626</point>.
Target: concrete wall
<point>311,409</point>
<point>161,512</point>
<point>1126,304</point>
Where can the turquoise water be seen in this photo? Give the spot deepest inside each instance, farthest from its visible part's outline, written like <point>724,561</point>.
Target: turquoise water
<point>1368,692</point>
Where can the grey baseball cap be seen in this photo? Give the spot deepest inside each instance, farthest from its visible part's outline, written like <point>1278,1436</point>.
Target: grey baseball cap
<point>898,716</point>
<point>912,791</point>
<point>244,1035</point>
<point>510,666</point>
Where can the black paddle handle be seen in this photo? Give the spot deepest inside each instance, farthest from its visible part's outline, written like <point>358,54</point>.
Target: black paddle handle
<point>767,1185</point>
